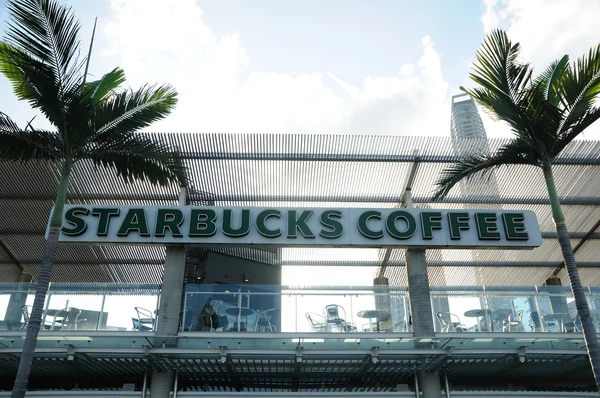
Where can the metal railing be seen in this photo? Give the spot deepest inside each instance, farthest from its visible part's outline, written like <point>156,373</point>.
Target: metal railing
<point>285,309</point>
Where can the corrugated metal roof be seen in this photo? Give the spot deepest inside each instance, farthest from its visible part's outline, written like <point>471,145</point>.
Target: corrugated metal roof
<point>315,171</point>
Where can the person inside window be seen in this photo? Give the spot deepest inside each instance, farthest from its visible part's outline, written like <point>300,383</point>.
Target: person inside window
<point>208,319</point>
<point>574,323</point>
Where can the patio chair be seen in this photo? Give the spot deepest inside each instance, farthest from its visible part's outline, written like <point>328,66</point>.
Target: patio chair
<point>513,322</point>
<point>317,322</point>
<point>334,321</point>
<point>448,325</point>
<point>144,320</point>
<point>26,312</point>
<point>267,321</point>
<point>70,321</point>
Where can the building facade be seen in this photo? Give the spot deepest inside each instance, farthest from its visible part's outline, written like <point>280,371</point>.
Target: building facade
<point>124,320</point>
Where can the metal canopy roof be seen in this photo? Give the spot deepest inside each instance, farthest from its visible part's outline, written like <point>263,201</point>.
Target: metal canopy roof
<point>315,171</point>
<point>261,363</point>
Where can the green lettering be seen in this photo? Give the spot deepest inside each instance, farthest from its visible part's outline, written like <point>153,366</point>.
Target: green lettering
<point>261,221</point>
<point>459,221</point>
<point>335,227</point>
<point>202,222</point>
<point>104,215</point>
<point>79,224</point>
<point>514,225</point>
<point>363,228</point>
<point>411,224</point>
<point>430,220</point>
<point>487,228</point>
<point>299,223</point>
<point>244,228</point>
<point>170,219</point>
<point>135,220</point>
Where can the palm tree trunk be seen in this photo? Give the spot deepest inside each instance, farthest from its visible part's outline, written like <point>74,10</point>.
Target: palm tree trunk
<point>35,319</point>
<point>583,310</point>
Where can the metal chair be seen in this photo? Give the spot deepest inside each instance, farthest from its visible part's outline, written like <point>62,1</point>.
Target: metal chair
<point>513,322</point>
<point>267,321</point>
<point>448,325</point>
<point>71,320</point>
<point>26,317</point>
<point>144,320</point>
<point>317,322</point>
<point>335,322</point>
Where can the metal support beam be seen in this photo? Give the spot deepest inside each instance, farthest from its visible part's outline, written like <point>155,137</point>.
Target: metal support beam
<point>11,256</point>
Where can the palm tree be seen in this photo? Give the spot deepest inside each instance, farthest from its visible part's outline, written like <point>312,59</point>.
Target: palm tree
<point>93,122</point>
<point>545,114</point>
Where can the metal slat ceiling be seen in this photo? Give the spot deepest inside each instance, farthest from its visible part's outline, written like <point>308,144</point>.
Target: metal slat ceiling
<point>306,170</point>
<point>245,373</point>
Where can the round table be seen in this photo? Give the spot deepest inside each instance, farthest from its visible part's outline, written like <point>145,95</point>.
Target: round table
<point>239,312</point>
<point>480,313</point>
<point>370,314</point>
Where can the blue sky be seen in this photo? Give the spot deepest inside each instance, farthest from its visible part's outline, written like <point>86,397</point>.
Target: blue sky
<point>366,67</point>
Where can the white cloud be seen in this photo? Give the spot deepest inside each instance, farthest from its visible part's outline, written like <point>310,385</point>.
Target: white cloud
<point>547,30</point>
<point>171,42</point>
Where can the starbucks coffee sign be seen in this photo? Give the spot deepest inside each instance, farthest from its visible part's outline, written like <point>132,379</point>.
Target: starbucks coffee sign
<point>209,226</point>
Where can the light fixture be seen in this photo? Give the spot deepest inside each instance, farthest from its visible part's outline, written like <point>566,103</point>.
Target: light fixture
<point>245,278</point>
<point>374,351</point>
<point>521,355</point>
<point>299,351</point>
<point>223,357</point>
<point>200,274</point>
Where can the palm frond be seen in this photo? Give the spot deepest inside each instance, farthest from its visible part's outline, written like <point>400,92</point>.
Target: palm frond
<point>583,123</point>
<point>501,78</point>
<point>105,87</point>
<point>515,152</point>
<point>580,86</point>
<point>131,111</point>
<point>548,80</point>
<point>21,145</point>
<point>136,157</point>
<point>32,81</point>
<point>88,101</point>
<point>48,32</point>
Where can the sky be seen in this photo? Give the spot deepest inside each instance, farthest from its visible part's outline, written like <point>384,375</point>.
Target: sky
<point>336,67</point>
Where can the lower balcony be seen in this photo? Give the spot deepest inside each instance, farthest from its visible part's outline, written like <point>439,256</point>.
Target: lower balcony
<point>281,309</point>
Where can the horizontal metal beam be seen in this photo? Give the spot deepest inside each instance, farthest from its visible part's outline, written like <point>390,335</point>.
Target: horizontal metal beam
<point>358,158</point>
<point>171,198</point>
<point>317,263</point>
<point>216,352</point>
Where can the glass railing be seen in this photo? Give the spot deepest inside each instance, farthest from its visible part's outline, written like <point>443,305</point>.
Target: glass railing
<point>108,307</point>
<point>510,309</point>
<point>264,308</point>
<point>285,309</point>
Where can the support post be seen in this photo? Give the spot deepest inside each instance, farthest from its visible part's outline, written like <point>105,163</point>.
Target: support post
<point>169,310</point>
<point>420,304</point>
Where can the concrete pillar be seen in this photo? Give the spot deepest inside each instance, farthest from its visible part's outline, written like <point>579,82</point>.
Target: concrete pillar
<point>169,309</point>
<point>381,287</point>
<point>423,326</point>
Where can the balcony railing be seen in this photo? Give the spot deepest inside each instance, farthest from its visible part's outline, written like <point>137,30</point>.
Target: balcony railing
<point>284,309</point>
